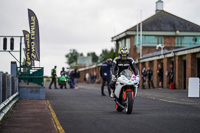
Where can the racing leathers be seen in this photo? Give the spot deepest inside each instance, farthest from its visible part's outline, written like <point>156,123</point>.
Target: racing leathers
<point>119,65</point>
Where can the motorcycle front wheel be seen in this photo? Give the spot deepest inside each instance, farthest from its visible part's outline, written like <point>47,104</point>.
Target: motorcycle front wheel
<point>129,102</point>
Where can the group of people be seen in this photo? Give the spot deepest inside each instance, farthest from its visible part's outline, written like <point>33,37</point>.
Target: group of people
<point>147,75</point>
<point>73,77</point>
<point>90,78</point>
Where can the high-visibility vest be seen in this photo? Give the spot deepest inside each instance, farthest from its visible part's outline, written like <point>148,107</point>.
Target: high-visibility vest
<point>53,72</point>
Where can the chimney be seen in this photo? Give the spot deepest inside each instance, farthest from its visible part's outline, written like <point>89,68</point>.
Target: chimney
<point>159,6</point>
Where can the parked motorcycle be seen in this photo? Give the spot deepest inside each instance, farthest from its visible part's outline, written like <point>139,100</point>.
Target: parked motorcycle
<point>125,91</point>
<point>62,81</point>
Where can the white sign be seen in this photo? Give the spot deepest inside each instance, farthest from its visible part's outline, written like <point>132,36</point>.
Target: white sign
<point>193,89</point>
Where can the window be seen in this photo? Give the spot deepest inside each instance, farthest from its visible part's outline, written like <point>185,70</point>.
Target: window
<point>159,40</point>
<point>188,41</point>
<point>179,41</point>
<point>128,43</point>
<point>146,40</point>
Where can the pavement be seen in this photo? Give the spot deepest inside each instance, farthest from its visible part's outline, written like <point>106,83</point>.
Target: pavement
<point>29,116</point>
<point>84,110</point>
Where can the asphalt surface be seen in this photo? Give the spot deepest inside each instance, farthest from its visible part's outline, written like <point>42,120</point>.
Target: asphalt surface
<point>86,111</point>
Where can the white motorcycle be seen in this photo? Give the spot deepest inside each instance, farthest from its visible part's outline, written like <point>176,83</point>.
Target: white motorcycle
<point>125,91</point>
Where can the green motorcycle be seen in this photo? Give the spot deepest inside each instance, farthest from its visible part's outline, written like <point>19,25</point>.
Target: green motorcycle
<point>62,81</point>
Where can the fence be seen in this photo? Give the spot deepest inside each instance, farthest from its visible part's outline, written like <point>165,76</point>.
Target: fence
<point>8,92</point>
<point>31,74</point>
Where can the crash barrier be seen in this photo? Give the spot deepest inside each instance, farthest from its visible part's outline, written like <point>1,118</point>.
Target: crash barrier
<point>8,92</point>
<point>31,74</point>
<point>193,89</point>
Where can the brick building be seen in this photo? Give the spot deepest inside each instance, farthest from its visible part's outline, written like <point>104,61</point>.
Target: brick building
<point>161,28</point>
<point>186,63</point>
<point>180,38</point>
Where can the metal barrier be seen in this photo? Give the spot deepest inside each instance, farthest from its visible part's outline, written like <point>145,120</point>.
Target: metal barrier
<point>31,74</point>
<point>8,92</point>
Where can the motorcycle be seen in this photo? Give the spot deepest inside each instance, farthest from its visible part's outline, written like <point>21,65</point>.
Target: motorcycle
<point>62,81</point>
<point>125,91</point>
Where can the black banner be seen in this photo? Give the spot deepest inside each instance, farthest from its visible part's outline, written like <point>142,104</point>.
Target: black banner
<point>34,36</point>
<point>27,42</point>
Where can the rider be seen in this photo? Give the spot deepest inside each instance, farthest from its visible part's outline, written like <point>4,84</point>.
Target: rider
<point>62,73</point>
<point>119,64</point>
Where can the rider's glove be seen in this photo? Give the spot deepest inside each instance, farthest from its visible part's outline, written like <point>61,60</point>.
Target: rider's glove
<point>114,78</point>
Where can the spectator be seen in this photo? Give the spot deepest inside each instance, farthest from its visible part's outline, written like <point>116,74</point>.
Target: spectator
<point>91,78</point>
<point>149,76</point>
<point>71,80</point>
<point>144,74</point>
<point>160,75</point>
<point>171,74</point>
<point>87,77</point>
<point>105,75</point>
<point>53,77</point>
<point>95,77</point>
<point>76,77</point>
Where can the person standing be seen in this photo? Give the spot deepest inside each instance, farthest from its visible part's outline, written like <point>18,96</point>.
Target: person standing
<point>71,76</point>
<point>76,77</point>
<point>149,76</point>
<point>144,74</point>
<point>62,74</point>
<point>53,78</point>
<point>105,75</point>
<point>95,77</point>
<point>87,77</point>
<point>160,75</point>
<point>171,77</point>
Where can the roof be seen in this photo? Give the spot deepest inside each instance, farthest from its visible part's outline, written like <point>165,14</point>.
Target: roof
<point>169,51</point>
<point>165,22</point>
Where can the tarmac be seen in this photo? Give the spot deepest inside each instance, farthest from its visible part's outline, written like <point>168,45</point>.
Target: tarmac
<point>35,116</point>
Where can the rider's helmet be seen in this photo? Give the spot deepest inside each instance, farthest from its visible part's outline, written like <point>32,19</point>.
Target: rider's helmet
<point>123,53</point>
<point>63,69</point>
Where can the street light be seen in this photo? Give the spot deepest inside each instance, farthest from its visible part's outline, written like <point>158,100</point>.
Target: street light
<point>161,46</point>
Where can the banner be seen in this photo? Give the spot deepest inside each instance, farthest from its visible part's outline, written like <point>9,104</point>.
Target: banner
<point>32,61</point>
<point>34,35</point>
<point>27,51</point>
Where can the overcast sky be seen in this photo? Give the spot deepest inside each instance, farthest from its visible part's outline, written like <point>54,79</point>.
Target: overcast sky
<point>85,25</point>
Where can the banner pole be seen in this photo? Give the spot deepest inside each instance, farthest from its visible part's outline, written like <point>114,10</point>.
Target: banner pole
<point>20,59</point>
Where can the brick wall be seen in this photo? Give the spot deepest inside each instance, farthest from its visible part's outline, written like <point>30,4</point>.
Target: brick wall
<point>155,77</point>
<point>179,72</point>
<point>90,71</point>
<point>170,41</point>
<point>133,50</point>
<point>191,67</point>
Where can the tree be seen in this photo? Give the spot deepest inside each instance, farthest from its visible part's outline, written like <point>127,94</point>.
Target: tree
<point>94,57</point>
<point>72,57</point>
<point>105,54</point>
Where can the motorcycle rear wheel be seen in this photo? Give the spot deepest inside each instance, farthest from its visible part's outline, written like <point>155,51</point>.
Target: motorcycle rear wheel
<point>129,102</point>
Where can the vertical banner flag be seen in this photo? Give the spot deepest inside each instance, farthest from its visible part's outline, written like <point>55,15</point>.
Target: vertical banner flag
<point>34,35</point>
<point>27,48</point>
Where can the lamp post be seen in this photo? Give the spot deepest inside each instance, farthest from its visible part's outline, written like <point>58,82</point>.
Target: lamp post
<point>160,46</point>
